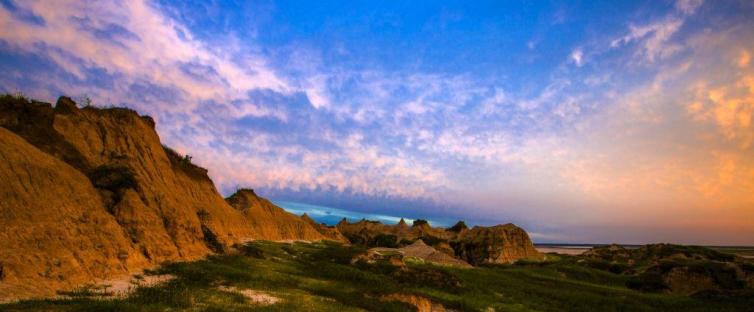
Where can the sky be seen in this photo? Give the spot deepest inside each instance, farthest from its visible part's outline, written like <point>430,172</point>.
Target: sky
<point>588,121</point>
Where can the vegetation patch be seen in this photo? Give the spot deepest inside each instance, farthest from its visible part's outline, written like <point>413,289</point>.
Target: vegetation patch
<point>320,277</point>
<point>385,240</point>
<point>184,164</point>
<point>458,227</point>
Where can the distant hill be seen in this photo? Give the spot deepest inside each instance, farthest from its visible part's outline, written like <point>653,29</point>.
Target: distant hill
<point>678,269</point>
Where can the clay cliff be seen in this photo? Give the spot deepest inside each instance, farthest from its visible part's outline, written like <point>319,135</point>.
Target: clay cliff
<point>329,232</point>
<point>271,221</point>
<point>91,193</point>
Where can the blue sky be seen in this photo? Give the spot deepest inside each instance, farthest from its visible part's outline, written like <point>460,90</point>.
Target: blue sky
<point>593,121</point>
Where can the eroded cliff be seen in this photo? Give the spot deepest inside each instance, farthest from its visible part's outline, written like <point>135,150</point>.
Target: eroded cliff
<point>91,193</point>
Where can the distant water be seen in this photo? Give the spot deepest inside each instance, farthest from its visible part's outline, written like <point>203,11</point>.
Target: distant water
<point>332,216</point>
<point>568,250</point>
<point>572,249</point>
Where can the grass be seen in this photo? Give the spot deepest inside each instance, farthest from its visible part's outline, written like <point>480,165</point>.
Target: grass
<point>319,277</point>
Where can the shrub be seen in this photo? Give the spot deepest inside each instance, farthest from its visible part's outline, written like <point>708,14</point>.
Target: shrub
<point>613,267</point>
<point>385,240</point>
<point>648,281</point>
<point>405,242</point>
<point>725,276</point>
<point>183,163</point>
<point>432,240</point>
<point>355,239</point>
<point>420,222</point>
<point>251,250</point>
<point>747,267</point>
<point>458,227</point>
<point>429,277</point>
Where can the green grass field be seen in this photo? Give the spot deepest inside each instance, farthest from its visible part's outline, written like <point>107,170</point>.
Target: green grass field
<point>319,277</point>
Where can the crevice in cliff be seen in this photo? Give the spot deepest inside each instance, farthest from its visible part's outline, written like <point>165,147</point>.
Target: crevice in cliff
<point>210,238</point>
<point>112,181</point>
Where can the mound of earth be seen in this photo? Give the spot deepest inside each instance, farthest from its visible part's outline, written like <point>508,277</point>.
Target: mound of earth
<point>420,250</point>
<point>652,253</point>
<point>678,269</point>
<point>91,194</point>
<point>417,250</point>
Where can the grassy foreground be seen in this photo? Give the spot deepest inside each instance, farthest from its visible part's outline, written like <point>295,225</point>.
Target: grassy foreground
<point>319,277</point>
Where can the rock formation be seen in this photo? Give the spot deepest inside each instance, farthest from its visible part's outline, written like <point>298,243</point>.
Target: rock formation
<point>370,232</point>
<point>420,250</point>
<point>270,221</point>
<point>497,244</point>
<point>416,251</point>
<point>92,193</point>
<point>329,232</point>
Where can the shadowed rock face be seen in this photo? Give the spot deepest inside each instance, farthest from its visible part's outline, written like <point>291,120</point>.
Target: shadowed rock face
<point>92,193</point>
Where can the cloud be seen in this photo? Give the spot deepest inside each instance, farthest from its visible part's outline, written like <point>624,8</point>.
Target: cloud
<point>688,7</point>
<point>134,40</point>
<point>744,59</point>
<point>576,57</point>
<point>656,36</point>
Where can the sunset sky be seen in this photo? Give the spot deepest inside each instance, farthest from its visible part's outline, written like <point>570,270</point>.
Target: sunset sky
<point>598,121</point>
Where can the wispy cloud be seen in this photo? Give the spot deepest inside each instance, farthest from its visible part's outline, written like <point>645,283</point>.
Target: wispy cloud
<point>577,57</point>
<point>655,37</point>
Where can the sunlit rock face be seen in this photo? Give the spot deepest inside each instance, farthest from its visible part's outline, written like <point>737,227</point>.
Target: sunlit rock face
<point>270,221</point>
<point>496,244</point>
<point>91,193</point>
<point>329,232</point>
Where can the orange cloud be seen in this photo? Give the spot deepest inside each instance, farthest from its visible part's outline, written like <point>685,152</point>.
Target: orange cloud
<point>744,59</point>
